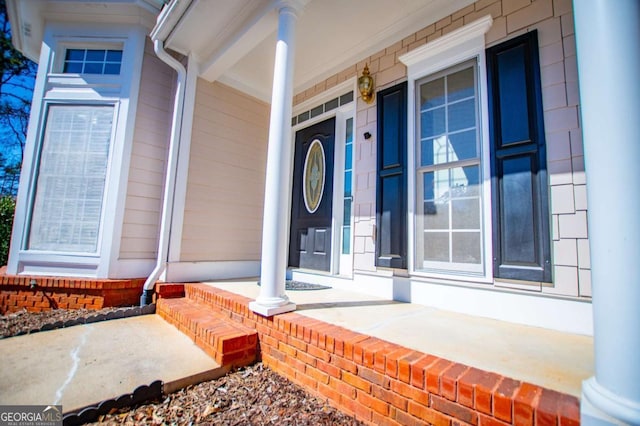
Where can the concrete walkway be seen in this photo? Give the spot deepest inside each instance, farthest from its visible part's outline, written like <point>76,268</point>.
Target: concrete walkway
<point>86,364</point>
<point>552,359</point>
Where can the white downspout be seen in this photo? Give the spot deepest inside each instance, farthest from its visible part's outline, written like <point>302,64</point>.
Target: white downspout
<point>170,179</point>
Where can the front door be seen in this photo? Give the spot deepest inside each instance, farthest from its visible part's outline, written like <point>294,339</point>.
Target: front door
<point>311,205</point>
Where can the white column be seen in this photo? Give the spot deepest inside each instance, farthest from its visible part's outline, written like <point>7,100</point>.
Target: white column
<point>275,226</point>
<point>608,43</point>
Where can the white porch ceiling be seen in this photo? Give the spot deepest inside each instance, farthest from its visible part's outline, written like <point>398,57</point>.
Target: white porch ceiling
<point>233,41</point>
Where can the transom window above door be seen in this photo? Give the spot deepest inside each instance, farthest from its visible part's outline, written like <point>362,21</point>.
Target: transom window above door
<point>449,196</point>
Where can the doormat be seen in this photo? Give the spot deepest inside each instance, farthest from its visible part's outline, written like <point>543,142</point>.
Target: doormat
<point>300,286</point>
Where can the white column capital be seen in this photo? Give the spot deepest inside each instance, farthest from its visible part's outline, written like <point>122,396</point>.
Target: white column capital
<point>294,7</point>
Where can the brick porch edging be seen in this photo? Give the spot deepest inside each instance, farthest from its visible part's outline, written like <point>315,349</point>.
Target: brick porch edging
<point>17,292</point>
<point>386,384</point>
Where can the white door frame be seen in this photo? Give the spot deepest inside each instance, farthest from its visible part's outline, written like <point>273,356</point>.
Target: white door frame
<point>340,264</point>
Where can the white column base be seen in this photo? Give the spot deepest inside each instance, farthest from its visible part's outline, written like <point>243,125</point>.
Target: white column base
<point>271,310</point>
<point>600,407</point>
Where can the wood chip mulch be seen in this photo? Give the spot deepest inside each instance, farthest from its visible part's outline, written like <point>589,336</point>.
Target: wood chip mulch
<point>255,395</point>
<point>252,396</point>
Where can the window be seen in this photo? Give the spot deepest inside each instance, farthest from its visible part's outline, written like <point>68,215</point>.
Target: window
<point>477,138</point>
<point>449,196</point>
<point>71,178</point>
<point>348,194</point>
<point>92,61</point>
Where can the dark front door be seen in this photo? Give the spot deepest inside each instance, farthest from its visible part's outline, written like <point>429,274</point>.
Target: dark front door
<point>311,205</point>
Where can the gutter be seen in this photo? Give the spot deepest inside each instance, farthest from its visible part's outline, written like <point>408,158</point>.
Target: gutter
<point>170,179</point>
<point>169,17</point>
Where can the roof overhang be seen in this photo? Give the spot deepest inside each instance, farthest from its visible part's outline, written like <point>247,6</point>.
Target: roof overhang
<point>234,41</point>
<point>28,18</point>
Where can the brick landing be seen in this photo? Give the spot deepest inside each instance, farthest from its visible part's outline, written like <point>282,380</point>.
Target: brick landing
<point>39,293</point>
<point>376,381</point>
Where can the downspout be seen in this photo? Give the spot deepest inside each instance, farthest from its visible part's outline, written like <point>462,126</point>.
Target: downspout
<point>170,180</point>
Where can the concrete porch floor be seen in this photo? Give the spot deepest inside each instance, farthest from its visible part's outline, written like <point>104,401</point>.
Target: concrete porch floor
<point>552,359</point>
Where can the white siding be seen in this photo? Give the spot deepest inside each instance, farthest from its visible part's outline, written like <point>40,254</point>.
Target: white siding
<point>225,190</point>
<point>148,159</point>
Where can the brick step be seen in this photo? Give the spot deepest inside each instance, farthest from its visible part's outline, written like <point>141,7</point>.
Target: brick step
<point>231,344</point>
<point>169,290</point>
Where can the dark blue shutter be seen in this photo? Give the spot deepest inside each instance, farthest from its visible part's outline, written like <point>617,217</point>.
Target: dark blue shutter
<point>391,200</point>
<point>521,246</point>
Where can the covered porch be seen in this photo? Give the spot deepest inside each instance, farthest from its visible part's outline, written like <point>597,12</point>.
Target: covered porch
<point>238,53</point>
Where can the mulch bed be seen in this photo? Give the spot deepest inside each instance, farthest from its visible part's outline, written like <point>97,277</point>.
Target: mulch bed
<point>27,322</point>
<point>254,395</point>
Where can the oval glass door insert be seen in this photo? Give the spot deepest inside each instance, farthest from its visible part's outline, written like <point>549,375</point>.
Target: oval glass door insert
<point>314,176</point>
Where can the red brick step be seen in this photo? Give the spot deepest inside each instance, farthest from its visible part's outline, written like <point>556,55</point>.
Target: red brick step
<point>229,343</point>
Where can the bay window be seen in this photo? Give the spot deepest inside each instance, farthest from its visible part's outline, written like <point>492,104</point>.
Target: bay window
<point>73,184</point>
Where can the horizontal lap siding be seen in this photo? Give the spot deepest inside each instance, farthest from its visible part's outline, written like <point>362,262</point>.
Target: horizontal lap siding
<point>148,159</point>
<point>225,190</point>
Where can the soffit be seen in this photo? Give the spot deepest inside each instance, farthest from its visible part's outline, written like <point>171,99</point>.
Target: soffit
<point>28,18</point>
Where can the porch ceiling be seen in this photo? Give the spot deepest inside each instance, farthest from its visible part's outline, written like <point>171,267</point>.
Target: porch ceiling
<point>234,41</point>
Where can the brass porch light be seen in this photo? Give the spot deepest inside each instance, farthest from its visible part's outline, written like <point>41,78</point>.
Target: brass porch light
<point>365,85</point>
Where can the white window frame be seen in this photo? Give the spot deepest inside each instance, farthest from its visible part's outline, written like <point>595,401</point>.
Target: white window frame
<point>55,87</point>
<point>464,44</point>
<point>341,264</point>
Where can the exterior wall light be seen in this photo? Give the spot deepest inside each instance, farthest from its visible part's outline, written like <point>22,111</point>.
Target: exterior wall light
<point>365,85</point>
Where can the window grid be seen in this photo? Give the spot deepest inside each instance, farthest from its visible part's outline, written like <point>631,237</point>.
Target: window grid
<point>93,61</point>
<point>322,108</point>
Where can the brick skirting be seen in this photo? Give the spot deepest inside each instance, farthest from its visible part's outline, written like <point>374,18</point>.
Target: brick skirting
<point>18,292</point>
<point>383,383</point>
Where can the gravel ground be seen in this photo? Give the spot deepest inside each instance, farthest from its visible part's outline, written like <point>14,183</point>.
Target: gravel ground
<point>251,396</point>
